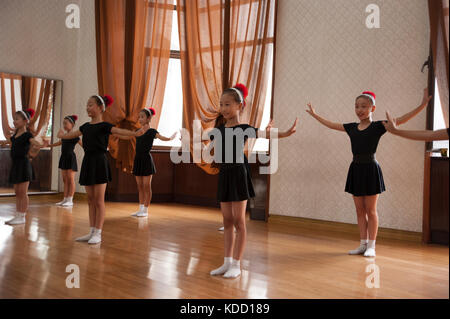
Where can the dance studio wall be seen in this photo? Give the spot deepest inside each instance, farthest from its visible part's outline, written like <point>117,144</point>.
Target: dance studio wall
<point>326,55</point>
<point>34,40</point>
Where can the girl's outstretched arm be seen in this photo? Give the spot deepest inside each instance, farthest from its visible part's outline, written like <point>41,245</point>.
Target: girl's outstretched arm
<point>163,138</point>
<point>68,136</point>
<point>124,132</point>
<point>55,144</point>
<point>123,137</point>
<point>329,124</point>
<point>426,135</point>
<point>266,133</point>
<point>406,117</point>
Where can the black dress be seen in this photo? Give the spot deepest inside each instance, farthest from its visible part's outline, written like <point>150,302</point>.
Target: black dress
<point>68,160</point>
<point>365,177</point>
<point>235,183</point>
<point>95,168</point>
<point>21,169</point>
<point>143,161</point>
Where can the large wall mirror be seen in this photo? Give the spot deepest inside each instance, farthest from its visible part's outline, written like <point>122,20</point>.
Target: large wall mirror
<point>19,92</point>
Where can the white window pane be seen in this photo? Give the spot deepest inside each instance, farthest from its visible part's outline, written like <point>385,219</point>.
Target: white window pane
<point>438,120</point>
<point>175,40</point>
<point>262,144</point>
<point>172,111</point>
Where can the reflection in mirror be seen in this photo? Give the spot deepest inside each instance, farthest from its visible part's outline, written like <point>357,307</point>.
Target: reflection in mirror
<point>17,93</point>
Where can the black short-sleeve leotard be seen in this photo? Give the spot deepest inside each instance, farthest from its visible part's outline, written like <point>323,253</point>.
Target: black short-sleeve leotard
<point>95,168</point>
<point>143,161</point>
<point>21,169</point>
<point>235,183</point>
<point>364,176</point>
<point>68,159</point>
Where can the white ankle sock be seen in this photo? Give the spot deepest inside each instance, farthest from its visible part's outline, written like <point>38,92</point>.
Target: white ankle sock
<point>70,199</point>
<point>96,237</point>
<point>88,236</point>
<point>234,270</point>
<point>222,269</point>
<point>361,249</point>
<point>371,244</point>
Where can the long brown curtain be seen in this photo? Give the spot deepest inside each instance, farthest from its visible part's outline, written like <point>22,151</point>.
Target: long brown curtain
<point>35,93</point>
<point>133,50</point>
<point>223,42</point>
<point>439,28</point>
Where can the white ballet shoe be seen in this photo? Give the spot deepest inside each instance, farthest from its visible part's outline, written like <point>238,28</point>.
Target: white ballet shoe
<point>86,237</point>
<point>67,204</point>
<point>221,270</point>
<point>141,214</point>
<point>96,237</point>
<point>370,252</point>
<point>17,220</point>
<point>358,251</point>
<point>61,202</point>
<point>233,272</point>
<point>224,268</point>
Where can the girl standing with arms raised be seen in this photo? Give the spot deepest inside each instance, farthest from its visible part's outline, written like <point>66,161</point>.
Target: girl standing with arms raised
<point>143,166</point>
<point>21,171</point>
<point>235,185</point>
<point>365,178</point>
<point>68,161</point>
<point>95,171</point>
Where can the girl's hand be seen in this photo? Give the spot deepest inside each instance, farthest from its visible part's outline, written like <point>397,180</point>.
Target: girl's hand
<point>311,110</point>
<point>426,98</point>
<point>60,133</point>
<point>173,135</point>
<point>269,127</point>
<point>293,129</point>
<point>390,125</point>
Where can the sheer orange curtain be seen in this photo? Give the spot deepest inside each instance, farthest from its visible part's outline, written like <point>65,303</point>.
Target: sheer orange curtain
<point>200,26</point>
<point>133,50</point>
<point>252,32</point>
<point>224,42</point>
<point>439,15</point>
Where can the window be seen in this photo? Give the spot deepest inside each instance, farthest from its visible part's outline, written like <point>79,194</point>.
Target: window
<point>171,119</point>
<point>438,119</point>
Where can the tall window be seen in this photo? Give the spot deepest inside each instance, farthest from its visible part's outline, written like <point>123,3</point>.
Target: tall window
<point>172,111</point>
<point>171,119</point>
<point>438,119</point>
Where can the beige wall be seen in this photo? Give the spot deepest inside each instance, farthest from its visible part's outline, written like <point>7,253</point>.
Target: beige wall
<point>35,41</point>
<point>326,55</point>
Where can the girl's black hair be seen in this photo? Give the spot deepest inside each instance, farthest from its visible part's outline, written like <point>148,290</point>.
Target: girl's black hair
<point>231,91</point>
<point>365,97</point>
<point>106,99</point>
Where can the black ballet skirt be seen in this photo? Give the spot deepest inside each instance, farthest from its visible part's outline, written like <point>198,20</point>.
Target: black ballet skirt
<point>143,161</point>
<point>95,167</point>
<point>364,176</point>
<point>21,169</point>
<point>68,159</point>
<point>235,182</point>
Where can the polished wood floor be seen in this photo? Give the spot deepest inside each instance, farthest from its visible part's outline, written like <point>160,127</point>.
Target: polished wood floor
<point>170,254</point>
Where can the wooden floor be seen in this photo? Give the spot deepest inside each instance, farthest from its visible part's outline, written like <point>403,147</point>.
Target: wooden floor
<point>170,254</point>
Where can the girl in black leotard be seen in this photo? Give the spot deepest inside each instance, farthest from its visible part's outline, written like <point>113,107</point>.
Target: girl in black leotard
<point>21,171</point>
<point>365,179</point>
<point>95,171</point>
<point>68,161</point>
<point>235,185</point>
<point>143,166</point>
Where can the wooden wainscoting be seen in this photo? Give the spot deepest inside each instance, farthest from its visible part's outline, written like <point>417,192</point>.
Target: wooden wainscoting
<point>184,183</point>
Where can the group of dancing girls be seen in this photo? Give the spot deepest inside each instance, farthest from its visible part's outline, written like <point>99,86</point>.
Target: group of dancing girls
<point>364,180</point>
